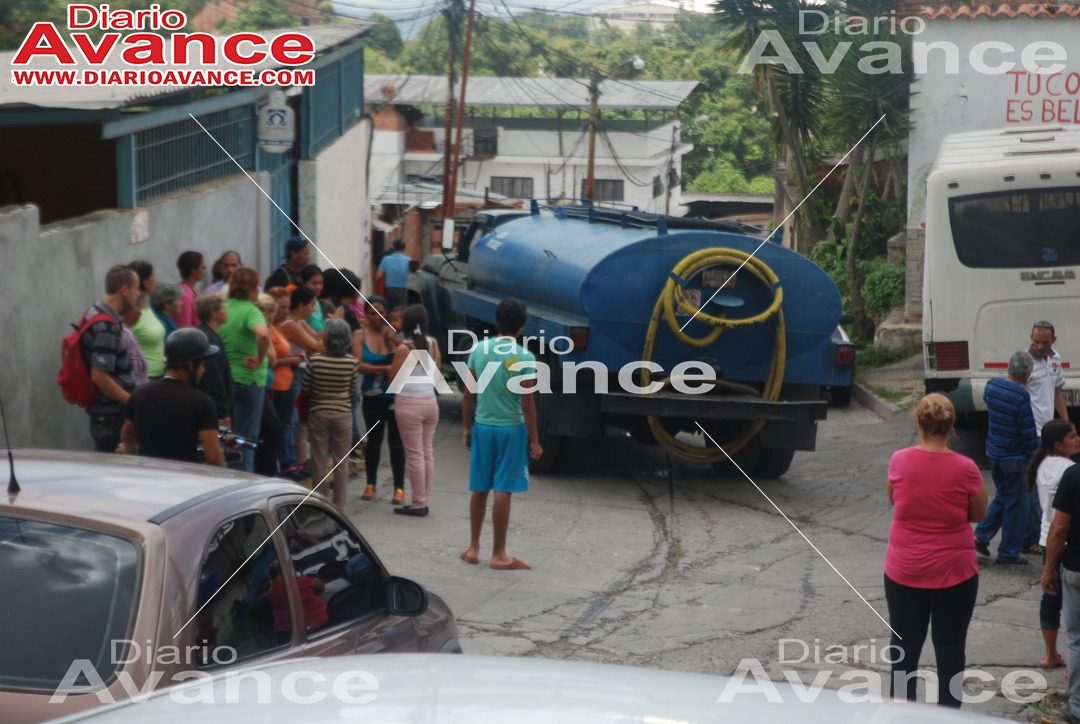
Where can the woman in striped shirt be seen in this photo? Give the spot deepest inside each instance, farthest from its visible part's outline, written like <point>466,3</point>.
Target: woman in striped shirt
<point>329,384</point>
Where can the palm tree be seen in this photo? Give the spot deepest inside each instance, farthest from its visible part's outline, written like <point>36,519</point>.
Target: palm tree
<point>795,98</point>
<point>865,102</point>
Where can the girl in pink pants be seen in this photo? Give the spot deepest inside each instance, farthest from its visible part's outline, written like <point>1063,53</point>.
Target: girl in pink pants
<point>415,406</point>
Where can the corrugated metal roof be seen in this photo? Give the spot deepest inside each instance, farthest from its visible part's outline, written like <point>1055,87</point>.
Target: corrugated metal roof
<point>89,97</point>
<point>956,11</point>
<point>530,92</point>
<point>429,195</point>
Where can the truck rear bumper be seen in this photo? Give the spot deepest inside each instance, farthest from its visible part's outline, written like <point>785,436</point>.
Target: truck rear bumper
<point>713,407</point>
<point>789,425</point>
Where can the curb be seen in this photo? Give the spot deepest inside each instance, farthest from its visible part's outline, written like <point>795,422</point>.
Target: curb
<point>882,408</point>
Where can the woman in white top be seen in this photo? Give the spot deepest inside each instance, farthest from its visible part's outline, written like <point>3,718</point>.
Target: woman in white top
<point>1059,443</point>
<point>415,406</point>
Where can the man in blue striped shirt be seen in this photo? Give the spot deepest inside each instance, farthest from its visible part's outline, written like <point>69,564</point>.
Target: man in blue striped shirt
<point>1010,441</point>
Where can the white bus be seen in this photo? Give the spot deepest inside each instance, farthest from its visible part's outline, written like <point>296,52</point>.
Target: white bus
<point>1002,252</point>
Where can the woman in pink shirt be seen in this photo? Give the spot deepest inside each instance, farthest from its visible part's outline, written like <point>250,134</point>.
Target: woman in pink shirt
<point>192,270</point>
<point>931,571</point>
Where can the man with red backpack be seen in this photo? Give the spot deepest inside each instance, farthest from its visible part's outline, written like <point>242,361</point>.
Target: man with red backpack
<point>106,357</point>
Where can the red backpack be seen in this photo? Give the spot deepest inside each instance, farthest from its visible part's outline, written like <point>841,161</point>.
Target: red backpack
<point>74,375</point>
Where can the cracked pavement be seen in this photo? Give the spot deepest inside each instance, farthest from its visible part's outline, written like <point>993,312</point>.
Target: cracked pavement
<point>638,562</point>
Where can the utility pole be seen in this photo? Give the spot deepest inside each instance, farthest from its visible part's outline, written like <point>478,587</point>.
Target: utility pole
<point>451,12</point>
<point>594,121</point>
<point>594,118</point>
<point>671,175</point>
<point>460,118</point>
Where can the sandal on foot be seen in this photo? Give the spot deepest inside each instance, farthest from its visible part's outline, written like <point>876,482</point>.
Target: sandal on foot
<point>1045,662</point>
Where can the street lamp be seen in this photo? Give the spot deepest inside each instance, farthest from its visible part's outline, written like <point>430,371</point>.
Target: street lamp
<point>594,120</point>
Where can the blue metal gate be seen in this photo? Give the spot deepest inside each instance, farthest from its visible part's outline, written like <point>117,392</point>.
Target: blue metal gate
<point>282,170</point>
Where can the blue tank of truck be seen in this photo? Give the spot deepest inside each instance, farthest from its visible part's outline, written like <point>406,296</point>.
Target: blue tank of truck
<point>604,271</point>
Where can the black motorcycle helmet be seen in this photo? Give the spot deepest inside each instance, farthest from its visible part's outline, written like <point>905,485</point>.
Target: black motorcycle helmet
<point>187,345</point>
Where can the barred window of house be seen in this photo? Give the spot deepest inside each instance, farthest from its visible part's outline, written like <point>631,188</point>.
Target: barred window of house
<point>515,187</point>
<point>605,189</point>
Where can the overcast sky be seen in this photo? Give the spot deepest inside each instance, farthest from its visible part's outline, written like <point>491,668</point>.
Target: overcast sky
<point>413,14</point>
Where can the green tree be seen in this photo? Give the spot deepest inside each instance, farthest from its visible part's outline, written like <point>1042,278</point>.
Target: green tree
<point>384,37</point>
<point>260,15</point>
<point>796,98</point>
<point>871,89</point>
<point>18,16</point>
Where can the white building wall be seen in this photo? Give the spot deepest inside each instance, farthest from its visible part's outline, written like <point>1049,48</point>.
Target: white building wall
<point>333,201</point>
<point>535,154</point>
<point>387,150</point>
<point>61,267</point>
<point>970,100</point>
<point>982,90</point>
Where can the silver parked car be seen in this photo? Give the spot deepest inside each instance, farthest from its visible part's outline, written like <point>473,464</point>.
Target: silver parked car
<point>122,574</point>
<point>469,689</point>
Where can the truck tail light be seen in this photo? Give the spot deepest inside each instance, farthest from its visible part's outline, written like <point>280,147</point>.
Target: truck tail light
<point>845,355</point>
<point>947,356</point>
<point>580,337</point>
<point>413,265</point>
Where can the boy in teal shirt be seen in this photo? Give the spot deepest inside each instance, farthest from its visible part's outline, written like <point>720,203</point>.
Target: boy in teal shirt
<point>499,430</point>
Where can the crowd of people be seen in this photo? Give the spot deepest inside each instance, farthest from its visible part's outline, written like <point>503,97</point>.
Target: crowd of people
<point>299,362</point>
<point>931,563</point>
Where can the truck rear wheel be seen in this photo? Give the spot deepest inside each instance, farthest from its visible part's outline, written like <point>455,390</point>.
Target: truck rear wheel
<point>548,441</point>
<point>773,462</point>
<point>746,459</point>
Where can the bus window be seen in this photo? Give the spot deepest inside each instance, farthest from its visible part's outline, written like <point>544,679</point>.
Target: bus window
<point>1009,230</point>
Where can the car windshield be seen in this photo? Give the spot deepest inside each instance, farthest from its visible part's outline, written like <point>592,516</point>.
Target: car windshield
<point>50,572</point>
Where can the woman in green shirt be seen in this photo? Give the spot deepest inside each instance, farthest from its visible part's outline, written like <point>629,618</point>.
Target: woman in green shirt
<point>149,331</point>
<point>247,342</point>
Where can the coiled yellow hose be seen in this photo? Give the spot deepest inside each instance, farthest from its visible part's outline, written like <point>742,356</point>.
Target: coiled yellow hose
<point>670,298</point>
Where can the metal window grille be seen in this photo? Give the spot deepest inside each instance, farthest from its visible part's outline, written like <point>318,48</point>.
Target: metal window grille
<point>180,155</point>
<point>485,142</point>
<point>605,189</point>
<point>335,103</point>
<point>512,186</point>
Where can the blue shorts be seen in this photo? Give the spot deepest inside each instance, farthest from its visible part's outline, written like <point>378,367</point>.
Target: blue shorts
<point>499,459</point>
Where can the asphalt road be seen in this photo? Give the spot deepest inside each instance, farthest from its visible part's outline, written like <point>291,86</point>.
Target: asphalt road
<point>640,563</point>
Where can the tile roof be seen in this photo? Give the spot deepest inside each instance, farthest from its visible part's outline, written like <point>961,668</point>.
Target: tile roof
<point>956,11</point>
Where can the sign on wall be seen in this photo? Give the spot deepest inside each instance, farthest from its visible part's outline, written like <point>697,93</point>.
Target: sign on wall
<point>277,125</point>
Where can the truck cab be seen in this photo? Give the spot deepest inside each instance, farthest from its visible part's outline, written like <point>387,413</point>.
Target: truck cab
<point>440,275</point>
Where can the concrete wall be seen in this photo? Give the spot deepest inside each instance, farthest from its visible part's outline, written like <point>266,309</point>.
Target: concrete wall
<point>334,209</point>
<point>971,99</point>
<point>52,273</point>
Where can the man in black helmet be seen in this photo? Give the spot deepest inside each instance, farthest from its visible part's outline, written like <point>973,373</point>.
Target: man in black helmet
<point>169,418</point>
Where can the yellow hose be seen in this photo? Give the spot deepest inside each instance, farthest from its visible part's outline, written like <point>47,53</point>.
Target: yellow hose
<point>670,298</point>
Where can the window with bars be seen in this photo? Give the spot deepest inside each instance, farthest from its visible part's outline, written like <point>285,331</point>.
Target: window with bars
<point>180,155</point>
<point>605,189</point>
<point>515,187</point>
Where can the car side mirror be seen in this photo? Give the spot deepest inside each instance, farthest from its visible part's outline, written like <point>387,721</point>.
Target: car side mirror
<point>405,597</point>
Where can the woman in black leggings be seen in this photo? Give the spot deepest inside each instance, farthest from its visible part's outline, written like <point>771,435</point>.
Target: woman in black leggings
<point>931,572</point>
<point>372,345</point>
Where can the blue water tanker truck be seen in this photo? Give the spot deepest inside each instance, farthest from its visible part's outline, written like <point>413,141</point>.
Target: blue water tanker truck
<point>699,336</point>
